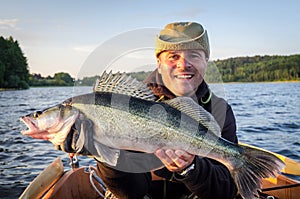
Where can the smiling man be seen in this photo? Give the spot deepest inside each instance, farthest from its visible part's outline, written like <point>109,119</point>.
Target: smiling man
<point>182,70</point>
<point>182,53</point>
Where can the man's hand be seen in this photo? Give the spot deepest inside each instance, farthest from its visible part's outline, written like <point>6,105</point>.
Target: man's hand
<point>175,160</point>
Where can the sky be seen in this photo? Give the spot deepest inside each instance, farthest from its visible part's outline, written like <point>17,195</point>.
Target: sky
<point>79,37</point>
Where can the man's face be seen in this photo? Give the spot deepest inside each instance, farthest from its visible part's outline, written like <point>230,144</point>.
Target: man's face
<point>182,71</point>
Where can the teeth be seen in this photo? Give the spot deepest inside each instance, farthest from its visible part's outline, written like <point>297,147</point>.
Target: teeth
<point>184,76</point>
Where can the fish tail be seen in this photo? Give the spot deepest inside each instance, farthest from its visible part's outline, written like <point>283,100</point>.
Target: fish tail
<point>257,164</point>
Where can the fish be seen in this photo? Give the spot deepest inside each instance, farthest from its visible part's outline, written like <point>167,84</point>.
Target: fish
<point>122,114</point>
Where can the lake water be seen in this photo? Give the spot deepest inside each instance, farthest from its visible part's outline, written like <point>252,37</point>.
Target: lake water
<point>268,116</point>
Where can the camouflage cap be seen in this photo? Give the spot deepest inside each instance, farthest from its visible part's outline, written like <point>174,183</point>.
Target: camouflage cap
<point>182,36</point>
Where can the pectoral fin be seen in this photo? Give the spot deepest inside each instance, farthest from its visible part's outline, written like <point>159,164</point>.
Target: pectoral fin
<point>107,154</point>
<point>100,151</point>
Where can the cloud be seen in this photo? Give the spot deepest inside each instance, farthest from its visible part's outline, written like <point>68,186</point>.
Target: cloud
<point>86,48</point>
<point>8,23</point>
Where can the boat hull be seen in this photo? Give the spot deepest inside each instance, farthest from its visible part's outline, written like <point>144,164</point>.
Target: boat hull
<point>76,184</point>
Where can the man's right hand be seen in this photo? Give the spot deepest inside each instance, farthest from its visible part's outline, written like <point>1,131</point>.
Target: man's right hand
<point>175,160</point>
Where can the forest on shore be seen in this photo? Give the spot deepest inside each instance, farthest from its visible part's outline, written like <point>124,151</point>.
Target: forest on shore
<point>14,72</point>
<point>260,68</point>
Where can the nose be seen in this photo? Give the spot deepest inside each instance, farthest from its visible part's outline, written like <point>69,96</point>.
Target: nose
<point>183,63</point>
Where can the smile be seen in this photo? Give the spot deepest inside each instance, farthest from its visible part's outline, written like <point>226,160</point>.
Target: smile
<point>184,76</point>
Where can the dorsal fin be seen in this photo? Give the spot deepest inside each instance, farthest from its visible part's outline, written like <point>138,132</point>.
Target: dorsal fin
<point>188,106</point>
<point>122,83</point>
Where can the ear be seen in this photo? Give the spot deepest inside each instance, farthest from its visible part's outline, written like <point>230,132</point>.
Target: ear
<point>206,59</point>
<point>158,61</point>
<point>158,65</point>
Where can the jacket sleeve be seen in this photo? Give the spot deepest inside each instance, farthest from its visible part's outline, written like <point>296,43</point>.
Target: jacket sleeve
<point>125,185</point>
<point>209,180</point>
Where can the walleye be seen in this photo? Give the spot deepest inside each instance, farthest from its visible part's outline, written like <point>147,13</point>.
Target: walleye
<point>122,113</point>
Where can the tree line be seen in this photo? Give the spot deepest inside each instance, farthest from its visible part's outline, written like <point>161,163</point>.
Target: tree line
<point>59,79</point>
<point>260,68</point>
<point>14,71</point>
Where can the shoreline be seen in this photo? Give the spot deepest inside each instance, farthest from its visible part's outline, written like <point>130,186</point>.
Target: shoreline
<point>289,81</point>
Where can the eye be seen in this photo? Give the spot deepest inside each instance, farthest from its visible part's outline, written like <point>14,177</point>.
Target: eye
<point>173,57</point>
<point>195,56</point>
<point>37,114</point>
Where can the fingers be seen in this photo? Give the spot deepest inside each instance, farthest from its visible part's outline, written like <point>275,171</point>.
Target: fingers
<point>175,160</point>
<point>185,156</point>
<point>169,159</point>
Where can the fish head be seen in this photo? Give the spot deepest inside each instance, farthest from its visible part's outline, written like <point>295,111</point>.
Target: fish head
<point>51,124</point>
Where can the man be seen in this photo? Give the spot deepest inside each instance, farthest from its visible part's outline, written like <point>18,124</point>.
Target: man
<point>182,52</point>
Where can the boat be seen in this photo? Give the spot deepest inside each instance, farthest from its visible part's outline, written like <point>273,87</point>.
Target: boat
<point>281,187</point>
<point>53,182</point>
<point>83,182</point>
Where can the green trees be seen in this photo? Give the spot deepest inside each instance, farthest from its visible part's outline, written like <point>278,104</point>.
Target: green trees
<point>260,68</point>
<point>63,79</point>
<point>13,65</point>
<point>59,79</point>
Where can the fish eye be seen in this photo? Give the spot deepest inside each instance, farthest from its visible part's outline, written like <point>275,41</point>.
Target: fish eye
<point>37,114</point>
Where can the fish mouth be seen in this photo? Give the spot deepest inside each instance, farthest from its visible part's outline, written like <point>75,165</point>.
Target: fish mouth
<point>33,130</point>
<point>32,127</point>
<point>49,133</point>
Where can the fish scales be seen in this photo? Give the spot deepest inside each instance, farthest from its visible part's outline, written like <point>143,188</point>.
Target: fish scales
<point>135,119</point>
<point>130,126</point>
